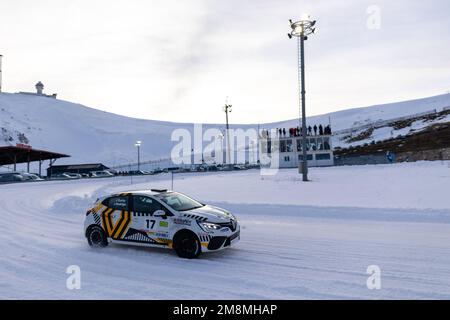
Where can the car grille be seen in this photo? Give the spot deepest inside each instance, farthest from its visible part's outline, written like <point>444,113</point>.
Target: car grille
<point>232,224</point>
<point>216,243</point>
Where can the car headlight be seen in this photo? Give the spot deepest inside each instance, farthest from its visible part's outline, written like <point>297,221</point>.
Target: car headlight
<point>208,226</point>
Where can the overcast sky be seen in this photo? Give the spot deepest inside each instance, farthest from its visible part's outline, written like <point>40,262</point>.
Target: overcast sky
<point>179,60</point>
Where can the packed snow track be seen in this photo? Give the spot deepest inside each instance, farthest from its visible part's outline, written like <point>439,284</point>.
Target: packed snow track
<point>287,251</point>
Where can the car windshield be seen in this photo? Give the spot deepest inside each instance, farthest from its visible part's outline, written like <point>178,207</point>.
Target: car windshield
<point>179,202</point>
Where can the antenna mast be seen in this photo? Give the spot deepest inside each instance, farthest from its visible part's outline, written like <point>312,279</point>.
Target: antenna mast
<point>227,109</point>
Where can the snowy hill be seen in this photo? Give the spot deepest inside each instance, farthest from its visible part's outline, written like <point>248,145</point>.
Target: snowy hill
<point>360,116</point>
<point>356,121</point>
<point>87,134</point>
<point>90,135</point>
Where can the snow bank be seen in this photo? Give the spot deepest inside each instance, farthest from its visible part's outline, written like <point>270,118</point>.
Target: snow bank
<point>418,185</point>
<point>72,204</point>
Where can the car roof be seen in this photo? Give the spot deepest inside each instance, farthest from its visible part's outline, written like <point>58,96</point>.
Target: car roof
<point>147,192</point>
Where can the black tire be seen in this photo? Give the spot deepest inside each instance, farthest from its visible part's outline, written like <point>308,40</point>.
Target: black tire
<point>96,237</point>
<point>187,245</point>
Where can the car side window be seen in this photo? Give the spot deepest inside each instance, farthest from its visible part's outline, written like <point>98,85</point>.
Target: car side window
<point>117,203</point>
<point>146,204</point>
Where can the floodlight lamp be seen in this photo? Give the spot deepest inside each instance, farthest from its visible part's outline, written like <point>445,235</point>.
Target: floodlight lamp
<point>306,16</point>
<point>298,29</point>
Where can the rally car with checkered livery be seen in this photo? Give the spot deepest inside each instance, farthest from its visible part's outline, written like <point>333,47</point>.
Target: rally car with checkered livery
<point>160,218</point>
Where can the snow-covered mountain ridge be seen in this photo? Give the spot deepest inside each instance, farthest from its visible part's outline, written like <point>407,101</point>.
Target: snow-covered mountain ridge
<point>91,135</point>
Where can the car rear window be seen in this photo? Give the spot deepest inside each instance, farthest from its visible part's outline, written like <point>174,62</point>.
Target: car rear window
<point>117,203</point>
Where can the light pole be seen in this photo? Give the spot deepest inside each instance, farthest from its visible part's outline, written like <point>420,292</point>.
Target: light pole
<point>138,145</point>
<point>227,109</point>
<point>301,29</point>
<point>221,159</point>
<point>257,145</point>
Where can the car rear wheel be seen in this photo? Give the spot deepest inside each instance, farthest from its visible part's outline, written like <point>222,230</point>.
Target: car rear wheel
<point>187,245</point>
<point>96,237</point>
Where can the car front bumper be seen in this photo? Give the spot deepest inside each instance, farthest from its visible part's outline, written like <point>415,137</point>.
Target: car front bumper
<point>221,242</point>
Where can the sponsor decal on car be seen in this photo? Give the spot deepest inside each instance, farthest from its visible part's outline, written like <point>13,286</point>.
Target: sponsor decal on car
<point>186,222</point>
<point>115,229</point>
<point>164,224</point>
<point>162,235</point>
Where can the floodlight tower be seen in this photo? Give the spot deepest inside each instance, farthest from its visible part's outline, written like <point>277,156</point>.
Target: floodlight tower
<point>1,72</point>
<point>302,29</point>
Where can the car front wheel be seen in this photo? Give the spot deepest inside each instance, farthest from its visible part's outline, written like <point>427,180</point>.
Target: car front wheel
<point>96,237</point>
<point>187,245</point>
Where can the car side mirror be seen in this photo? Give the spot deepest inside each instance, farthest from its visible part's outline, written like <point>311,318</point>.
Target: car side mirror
<point>159,213</point>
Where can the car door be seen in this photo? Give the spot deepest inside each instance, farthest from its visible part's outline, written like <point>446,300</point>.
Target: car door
<point>144,219</point>
<point>116,218</point>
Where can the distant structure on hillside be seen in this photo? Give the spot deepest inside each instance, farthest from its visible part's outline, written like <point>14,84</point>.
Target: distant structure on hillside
<point>39,87</point>
<point>287,145</point>
<point>87,169</point>
<point>40,91</point>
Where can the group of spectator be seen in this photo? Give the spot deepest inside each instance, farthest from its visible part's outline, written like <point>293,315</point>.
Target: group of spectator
<point>297,132</point>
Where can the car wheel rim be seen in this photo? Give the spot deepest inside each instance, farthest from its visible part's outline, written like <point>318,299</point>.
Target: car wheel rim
<point>189,245</point>
<point>96,237</point>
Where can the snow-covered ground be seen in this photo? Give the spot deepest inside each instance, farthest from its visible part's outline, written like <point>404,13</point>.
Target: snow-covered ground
<point>310,240</point>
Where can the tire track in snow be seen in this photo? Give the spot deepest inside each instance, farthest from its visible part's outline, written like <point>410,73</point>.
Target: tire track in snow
<point>280,256</point>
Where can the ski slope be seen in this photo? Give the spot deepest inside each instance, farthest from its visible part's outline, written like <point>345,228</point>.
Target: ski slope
<point>354,117</point>
<point>298,241</point>
<point>90,135</point>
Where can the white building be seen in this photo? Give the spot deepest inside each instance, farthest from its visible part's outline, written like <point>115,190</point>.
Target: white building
<point>289,149</point>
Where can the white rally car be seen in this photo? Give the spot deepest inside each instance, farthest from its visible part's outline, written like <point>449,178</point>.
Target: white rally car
<point>160,218</point>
